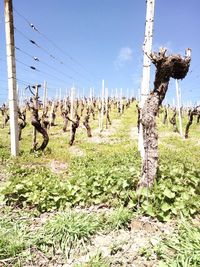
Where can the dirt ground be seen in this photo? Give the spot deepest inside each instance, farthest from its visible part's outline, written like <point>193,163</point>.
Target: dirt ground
<point>124,247</point>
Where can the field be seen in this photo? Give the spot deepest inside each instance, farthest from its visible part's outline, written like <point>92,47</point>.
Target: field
<point>78,206</point>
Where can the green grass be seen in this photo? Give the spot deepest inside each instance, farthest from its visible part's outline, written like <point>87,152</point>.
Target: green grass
<point>96,261</point>
<point>119,219</point>
<point>92,179</point>
<point>182,248</point>
<point>68,230</point>
<point>61,233</point>
<point>14,238</point>
<point>106,173</point>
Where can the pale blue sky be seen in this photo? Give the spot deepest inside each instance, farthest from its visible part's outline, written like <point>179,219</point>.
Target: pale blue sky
<point>99,39</point>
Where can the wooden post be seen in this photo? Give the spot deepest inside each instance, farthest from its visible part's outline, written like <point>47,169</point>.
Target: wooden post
<point>121,101</point>
<point>146,65</point>
<point>83,93</point>
<point>102,105</point>
<point>11,69</point>
<point>179,108</point>
<point>78,94</point>
<point>45,96</point>
<point>106,107</point>
<point>117,98</point>
<point>36,87</point>
<point>60,96</point>
<point>24,97</point>
<point>66,92</point>
<point>35,103</point>
<point>99,113</point>
<point>65,104</point>
<point>18,95</point>
<point>52,106</point>
<point>90,99</point>
<point>72,109</point>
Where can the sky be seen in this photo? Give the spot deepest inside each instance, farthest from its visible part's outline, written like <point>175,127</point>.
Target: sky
<point>80,42</point>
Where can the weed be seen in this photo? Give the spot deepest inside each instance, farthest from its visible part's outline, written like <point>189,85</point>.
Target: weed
<point>96,261</point>
<point>182,249</point>
<point>14,238</point>
<point>120,218</point>
<point>68,230</point>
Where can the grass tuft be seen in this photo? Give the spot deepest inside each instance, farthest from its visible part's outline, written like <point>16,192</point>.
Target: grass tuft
<point>183,248</point>
<point>68,230</point>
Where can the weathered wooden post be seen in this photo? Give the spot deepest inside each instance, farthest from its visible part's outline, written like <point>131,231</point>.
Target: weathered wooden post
<point>99,113</point>
<point>72,96</point>
<point>178,97</point>
<point>45,96</point>
<point>35,106</point>
<point>102,106</point>
<point>91,97</point>
<point>146,65</point>
<point>60,97</point>
<point>121,102</point>
<point>106,106</point>
<point>11,67</point>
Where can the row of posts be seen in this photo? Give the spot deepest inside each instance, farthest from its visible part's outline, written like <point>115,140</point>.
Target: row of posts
<point>12,86</point>
<point>11,67</point>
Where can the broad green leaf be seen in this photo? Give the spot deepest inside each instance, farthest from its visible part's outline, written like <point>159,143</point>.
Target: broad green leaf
<point>165,207</point>
<point>162,264</point>
<point>150,212</point>
<point>143,192</point>
<point>168,193</point>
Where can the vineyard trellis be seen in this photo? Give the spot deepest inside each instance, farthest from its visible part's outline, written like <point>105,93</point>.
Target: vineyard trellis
<point>103,103</point>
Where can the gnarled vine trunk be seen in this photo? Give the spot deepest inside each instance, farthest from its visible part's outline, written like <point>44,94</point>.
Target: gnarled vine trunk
<point>165,115</point>
<point>173,66</point>
<point>45,119</point>
<point>198,118</point>
<point>21,122</point>
<point>192,113</point>
<point>65,120</point>
<point>75,125</point>
<point>173,121</point>
<point>35,121</point>
<point>87,125</point>
<point>4,112</point>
